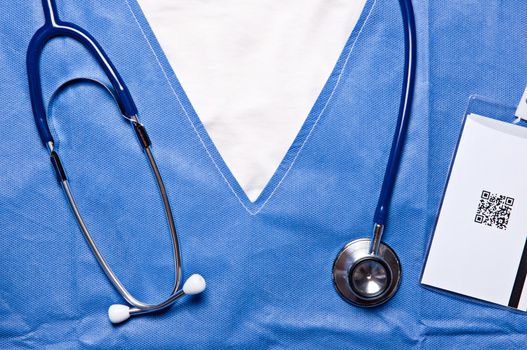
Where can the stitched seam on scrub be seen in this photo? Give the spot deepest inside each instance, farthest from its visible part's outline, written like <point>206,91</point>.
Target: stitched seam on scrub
<point>328,100</point>
<point>322,111</point>
<point>185,111</point>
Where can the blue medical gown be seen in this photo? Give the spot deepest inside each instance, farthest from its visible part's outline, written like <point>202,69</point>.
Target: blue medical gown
<point>267,263</point>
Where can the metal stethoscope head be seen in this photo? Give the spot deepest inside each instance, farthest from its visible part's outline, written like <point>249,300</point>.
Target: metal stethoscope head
<point>367,272</point>
<point>53,28</point>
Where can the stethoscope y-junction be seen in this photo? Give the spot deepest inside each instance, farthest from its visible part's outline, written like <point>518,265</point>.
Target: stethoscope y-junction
<point>367,272</point>
<point>53,28</point>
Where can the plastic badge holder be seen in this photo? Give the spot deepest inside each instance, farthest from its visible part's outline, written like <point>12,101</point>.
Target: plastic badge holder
<point>478,250</point>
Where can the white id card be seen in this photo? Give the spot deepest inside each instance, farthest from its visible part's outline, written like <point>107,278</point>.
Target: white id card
<point>479,244</point>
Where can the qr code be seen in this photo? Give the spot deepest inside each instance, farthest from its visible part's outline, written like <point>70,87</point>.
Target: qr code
<point>494,210</point>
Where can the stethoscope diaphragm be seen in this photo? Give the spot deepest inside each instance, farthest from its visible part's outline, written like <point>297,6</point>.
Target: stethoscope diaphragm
<point>366,279</point>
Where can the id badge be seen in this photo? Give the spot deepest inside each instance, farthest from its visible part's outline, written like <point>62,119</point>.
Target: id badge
<point>479,246</point>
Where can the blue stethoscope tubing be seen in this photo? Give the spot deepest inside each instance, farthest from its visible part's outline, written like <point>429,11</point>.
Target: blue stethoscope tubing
<point>367,272</point>
<point>405,105</point>
<point>53,28</point>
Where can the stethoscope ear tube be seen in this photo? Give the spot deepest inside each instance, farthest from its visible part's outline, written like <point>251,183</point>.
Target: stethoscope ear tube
<point>194,285</point>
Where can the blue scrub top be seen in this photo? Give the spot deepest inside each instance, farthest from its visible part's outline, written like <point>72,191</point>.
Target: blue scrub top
<point>267,263</point>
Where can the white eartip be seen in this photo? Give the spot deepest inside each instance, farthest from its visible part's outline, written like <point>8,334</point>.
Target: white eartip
<point>118,313</point>
<point>195,284</point>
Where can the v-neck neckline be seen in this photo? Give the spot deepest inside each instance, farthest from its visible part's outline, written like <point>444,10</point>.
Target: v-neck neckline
<point>317,111</point>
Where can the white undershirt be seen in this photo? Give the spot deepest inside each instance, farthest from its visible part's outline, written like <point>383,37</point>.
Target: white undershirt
<point>252,70</point>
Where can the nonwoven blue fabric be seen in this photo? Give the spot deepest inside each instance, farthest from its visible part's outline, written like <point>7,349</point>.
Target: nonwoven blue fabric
<point>267,263</point>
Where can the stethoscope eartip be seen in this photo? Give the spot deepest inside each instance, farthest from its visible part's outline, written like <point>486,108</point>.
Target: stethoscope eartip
<point>118,313</point>
<point>195,284</point>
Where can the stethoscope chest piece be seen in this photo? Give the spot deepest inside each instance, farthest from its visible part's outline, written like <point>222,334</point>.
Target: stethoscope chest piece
<point>363,278</point>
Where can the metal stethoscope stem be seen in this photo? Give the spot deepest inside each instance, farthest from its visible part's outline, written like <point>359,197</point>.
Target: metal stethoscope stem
<point>367,272</point>
<point>53,28</point>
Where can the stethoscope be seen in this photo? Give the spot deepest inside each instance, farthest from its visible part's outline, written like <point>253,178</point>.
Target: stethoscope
<point>53,28</point>
<point>367,272</point>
